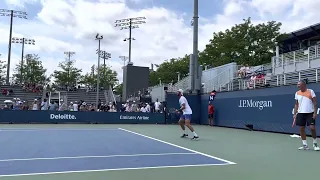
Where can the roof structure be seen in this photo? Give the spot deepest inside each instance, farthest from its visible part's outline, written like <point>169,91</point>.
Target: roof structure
<point>308,33</point>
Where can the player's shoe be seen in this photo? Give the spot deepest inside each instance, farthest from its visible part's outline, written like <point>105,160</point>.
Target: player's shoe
<point>184,135</point>
<point>304,147</point>
<point>316,147</point>
<point>195,138</point>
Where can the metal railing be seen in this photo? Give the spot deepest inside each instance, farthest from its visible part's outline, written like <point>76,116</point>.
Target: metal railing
<point>310,75</point>
<point>290,61</point>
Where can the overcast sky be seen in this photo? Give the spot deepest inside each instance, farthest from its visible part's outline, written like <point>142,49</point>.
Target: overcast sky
<point>71,25</point>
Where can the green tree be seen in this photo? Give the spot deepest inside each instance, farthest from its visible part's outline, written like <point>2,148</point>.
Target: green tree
<point>31,72</point>
<point>244,44</point>
<point>3,72</point>
<point>108,77</point>
<point>168,71</point>
<point>68,75</point>
<point>118,89</point>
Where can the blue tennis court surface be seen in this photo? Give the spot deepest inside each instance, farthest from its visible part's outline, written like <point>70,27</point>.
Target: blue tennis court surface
<point>50,151</point>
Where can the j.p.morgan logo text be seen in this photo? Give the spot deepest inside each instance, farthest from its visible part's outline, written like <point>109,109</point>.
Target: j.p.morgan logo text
<point>62,116</point>
<point>255,104</point>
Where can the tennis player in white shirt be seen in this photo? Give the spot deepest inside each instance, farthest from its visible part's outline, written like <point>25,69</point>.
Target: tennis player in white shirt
<point>185,119</point>
<point>305,113</point>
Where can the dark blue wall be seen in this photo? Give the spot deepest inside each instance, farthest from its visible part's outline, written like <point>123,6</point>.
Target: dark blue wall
<point>274,115</point>
<point>194,102</point>
<point>80,117</point>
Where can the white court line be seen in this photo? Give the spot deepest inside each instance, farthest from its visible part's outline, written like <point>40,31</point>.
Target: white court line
<point>57,129</point>
<point>84,157</point>
<point>197,152</point>
<point>118,169</point>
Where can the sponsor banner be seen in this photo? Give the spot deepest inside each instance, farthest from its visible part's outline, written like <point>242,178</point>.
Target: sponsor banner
<point>260,104</point>
<point>80,117</point>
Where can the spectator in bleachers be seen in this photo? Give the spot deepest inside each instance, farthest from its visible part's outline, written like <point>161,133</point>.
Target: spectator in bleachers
<point>247,70</point>
<point>148,107</point>
<point>5,92</point>
<point>44,105</point>
<point>143,108</point>
<point>35,105</point>
<point>63,106</point>
<point>242,71</point>
<point>75,106</point>
<point>256,80</point>
<point>157,105</point>
<point>128,107</point>
<point>113,107</point>
<point>99,104</point>
<point>25,106</point>
<point>53,106</point>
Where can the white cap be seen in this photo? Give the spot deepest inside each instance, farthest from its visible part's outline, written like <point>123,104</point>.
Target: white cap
<point>181,91</point>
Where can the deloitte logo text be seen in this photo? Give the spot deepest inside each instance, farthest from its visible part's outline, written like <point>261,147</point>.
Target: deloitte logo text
<point>255,104</point>
<point>62,116</point>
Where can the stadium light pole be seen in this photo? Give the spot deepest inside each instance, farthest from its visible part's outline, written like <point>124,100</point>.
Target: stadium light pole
<point>69,54</point>
<point>130,23</point>
<point>124,59</point>
<point>98,38</point>
<point>194,65</point>
<point>105,56</point>
<point>11,14</point>
<point>22,41</point>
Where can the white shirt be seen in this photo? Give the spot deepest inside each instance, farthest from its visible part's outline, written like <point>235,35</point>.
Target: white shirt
<point>157,105</point>
<point>44,106</point>
<point>128,108</point>
<point>35,107</point>
<point>148,108</point>
<point>75,107</point>
<point>187,109</point>
<point>305,101</point>
<point>143,109</point>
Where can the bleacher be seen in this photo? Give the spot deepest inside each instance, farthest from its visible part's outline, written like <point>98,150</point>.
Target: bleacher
<point>88,97</point>
<point>302,63</point>
<point>18,92</point>
<point>71,96</point>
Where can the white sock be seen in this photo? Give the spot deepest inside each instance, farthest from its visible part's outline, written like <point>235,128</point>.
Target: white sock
<point>184,131</point>
<point>304,142</point>
<point>315,141</point>
<point>194,133</point>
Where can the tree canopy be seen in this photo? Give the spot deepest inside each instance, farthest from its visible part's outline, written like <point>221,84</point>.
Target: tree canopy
<point>108,77</point>
<point>168,71</point>
<point>244,43</point>
<point>3,72</point>
<point>68,75</point>
<point>31,72</point>
<point>118,89</point>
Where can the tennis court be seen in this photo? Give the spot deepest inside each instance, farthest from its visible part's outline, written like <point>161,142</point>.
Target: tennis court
<point>149,152</point>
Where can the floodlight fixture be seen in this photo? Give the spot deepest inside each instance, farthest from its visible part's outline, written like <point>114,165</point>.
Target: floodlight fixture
<point>130,23</point>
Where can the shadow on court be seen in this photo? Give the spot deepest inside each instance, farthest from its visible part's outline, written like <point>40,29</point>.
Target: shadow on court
<point>149,151</point>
